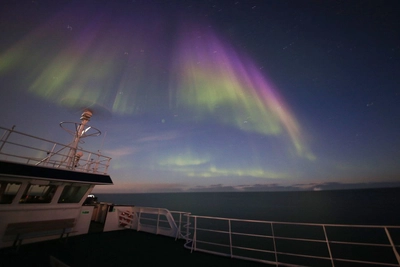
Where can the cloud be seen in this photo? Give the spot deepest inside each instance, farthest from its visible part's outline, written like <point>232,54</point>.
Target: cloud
<point>140,187</point>
<point>266,187</point>
<point>256,172</point>
<point>199,166</point>
<point>213,188</point>
<point>121,152</point>
<point>141,144</point>
<point>274,187</point>
<point>164,136</point>
<point>344,186</point>
<point>183,160</point>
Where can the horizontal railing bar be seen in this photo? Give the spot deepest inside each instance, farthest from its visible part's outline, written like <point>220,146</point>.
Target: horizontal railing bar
<point>366,262</point>
<point>20,157</point>
<point>265,236</point>
<point>211,243</point>
<point>300,239</point>
<point>268,251</point>
<point>275,237</point>
<point>252,235</point>
<point>360,243</point>
<point>28,135</point>
<point>214,231</point>
<point>304,255</point>
<point>285,253</point>
<point>316,240</point>
<point>48,141</point>
<point>26,146</point>
<point>297,239</point>
<point>299,224</point>
<point>254,249</point>
<point>245,258</point>
<point>315,257</point>
<point>180,212</point>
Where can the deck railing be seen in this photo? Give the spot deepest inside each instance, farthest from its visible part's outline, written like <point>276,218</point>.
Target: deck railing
<point>154,220</point>
<point>296,244</point>
<point>277,243</point>
<point>19,147</point>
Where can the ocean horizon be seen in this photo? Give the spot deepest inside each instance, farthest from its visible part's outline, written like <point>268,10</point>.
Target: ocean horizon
<point>376,206</point>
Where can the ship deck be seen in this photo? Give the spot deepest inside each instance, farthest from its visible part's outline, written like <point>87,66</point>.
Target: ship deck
<point>117,248</point>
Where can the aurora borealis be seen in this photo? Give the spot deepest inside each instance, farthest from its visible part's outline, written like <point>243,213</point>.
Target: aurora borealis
<point>213,95</point>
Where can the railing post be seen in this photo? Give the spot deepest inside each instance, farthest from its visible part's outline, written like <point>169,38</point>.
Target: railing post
<point>393,246</point>
<point>108,164</point>
<point>158,220</point>
<point>230,238</point>
<point>194,235</point>
<point>187,226</point>
<point>328,246</point>
<point>96,166</point>
<point>50,154</point>
<point>179,227</point>
<point>140,215</point>
<point>273,239</point>
<point>88,163</point>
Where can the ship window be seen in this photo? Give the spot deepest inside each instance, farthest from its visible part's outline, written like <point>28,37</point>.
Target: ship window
<point>73,193</point>
<point>8,190</point>
<point>35,193</point>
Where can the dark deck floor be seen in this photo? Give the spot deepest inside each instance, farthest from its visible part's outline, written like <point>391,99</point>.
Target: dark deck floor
<point>118,248</point>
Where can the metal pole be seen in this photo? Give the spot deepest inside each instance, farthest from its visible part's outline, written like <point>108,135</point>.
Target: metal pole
<point>179,228</point>
<point>329,247</point>
<point>158,221</point>
<point>273,239</point>
<point>187,227</point>
<point>194,235</point>
<point>393,246</point>
<point>85,118</point>
<point>140,216</point>
<point>230,238</point>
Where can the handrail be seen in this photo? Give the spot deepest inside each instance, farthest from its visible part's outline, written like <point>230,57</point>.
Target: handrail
<point>154,220</point>
<point>289,250</point>
<point>24,148</point>
<point>207,234</point>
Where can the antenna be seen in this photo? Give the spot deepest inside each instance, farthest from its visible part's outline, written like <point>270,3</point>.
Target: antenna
<point>81,130</point>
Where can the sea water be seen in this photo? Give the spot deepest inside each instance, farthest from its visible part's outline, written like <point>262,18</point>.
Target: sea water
<point>365,207</point>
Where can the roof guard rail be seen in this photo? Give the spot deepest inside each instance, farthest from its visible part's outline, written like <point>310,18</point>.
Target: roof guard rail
<point>20,147</point>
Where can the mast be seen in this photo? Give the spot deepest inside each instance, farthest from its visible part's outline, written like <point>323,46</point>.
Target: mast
<point>73,155</point>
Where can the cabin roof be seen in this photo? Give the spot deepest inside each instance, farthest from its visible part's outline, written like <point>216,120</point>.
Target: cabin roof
<point>38,172</point>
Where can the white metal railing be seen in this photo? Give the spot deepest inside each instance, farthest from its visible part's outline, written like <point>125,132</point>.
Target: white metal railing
<point>19,147</point>
<point>295,244</point>
<point>277,243</point>
<point>154,220</point>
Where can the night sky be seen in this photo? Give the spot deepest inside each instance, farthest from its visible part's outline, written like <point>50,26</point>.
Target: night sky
<point>202,95</point>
